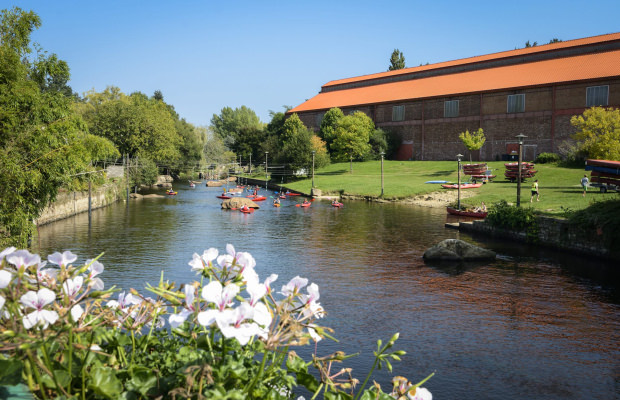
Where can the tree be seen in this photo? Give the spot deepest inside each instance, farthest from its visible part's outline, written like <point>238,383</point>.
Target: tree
<point>321,156</point>
<point>555,40</point>
<point>297,143</point>
<point>397,60</point>
<point>528,44</point>
<point>229,123</point>
<point>598,133</point>
<point>351,137</point>
<point>473,141</point>
<point>43,142</point>
<point>327,130</point>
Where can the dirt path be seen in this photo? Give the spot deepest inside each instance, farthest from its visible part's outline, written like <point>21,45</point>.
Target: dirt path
<point>437,199</point>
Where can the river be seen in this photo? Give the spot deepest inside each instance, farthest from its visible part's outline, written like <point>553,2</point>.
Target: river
<point>533,324</point>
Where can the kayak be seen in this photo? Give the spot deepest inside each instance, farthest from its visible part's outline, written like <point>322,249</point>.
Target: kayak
<point>223,196</point>
<point>293,194</point>
<point>192,185</point>
<point>171,193</point>
<point>437,182</point>
<point>464,213</point>
<point>248,211</point>
<point>283,196</point>
<point>463,186</point>
<point>337,204</point>
<point>276,204</point>
<point>259,198</point>
<point>303,205</point>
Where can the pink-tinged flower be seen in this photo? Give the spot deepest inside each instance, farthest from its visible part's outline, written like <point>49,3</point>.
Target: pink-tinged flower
<point>270,279</point>
<point>313,294</point>
<point>245,260</point>
<point>46,274</point>
<point>38,300</point>
<point>177,320</point>
<point>294,286</point>
<point>256,290</point>
<point>124,301</point>
<point>6,252</point>
<point>72,287</point>
<point>234,323</point>
<point>5,278</point>
<point>76,312</point>
<point>62,259</point>
<point>199,263</point>
<point>262,316</point>
<point>23,259</point>
<point>221,296</point>
<point>419,393</point>
<point>94,269</point>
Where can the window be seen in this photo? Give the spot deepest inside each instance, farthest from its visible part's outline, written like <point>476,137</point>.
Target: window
<point>597,96</point>
<point>398,113</point>
<point>516,103</point>
<point>451,109</point>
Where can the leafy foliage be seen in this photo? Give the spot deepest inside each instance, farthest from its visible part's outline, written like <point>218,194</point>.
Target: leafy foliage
<point>520,219</point>
<point>352,135</point>
<point>601,216</point>
<point>230,122</point>
<point>397,60</point>
<point>598,133</point>
<point>547,158</point>
<point>43,142</point>
<point>329,123</point>
<point>80,343</point>
<point>473,141</point>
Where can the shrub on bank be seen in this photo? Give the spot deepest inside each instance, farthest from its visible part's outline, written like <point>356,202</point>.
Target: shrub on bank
<point>519,219</point>
<point>226,336</point>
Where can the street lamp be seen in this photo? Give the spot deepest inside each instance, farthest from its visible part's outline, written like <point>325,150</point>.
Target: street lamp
<point>312,189</point>
<point>266,169</point>
<point>250,171</point>
<point>458,182</point>
<point>520,138</point>
<point>382,154</point>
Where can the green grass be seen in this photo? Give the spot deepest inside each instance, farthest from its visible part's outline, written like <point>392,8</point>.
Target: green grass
<point>559,187</point>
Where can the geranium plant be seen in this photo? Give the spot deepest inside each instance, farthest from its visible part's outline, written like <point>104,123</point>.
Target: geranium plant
<point>226,336</point>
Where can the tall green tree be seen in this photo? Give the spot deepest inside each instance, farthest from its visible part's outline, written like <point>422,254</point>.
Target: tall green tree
<point>352,137</point>
<point>43,142</point>
<point>297,143</point>
<point>473,141</point>
<point>598,133</point>
<point>397,60</point>
<point>329,123</point>
<point>230,123</point>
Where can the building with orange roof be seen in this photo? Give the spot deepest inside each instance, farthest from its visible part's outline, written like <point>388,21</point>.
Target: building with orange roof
<point>532,91</point>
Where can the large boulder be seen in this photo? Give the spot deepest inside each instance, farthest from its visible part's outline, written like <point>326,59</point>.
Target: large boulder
<point>457,250</point>
<point>215,183</point>
<point>238,202</point>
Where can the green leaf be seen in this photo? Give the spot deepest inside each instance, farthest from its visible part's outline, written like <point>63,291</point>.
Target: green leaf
<point>294,363</point>
<point>308,381</point>
<point>142,380</point>
<point>10,372</point>
<point>104,383</point>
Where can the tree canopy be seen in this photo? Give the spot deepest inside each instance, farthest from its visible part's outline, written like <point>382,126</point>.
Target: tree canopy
<point>473,141</point>
<point>43,142</point>
<point>397,60</point>
<point>352,137</point>
<point>598,133</point>
<point>230,122</point>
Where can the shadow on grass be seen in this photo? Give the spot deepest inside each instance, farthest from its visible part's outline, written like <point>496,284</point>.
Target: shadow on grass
<point>339,172</point>
<point>439,173</point>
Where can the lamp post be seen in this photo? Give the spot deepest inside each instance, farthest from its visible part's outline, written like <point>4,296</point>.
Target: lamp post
<point>458,182</point>
<point>250,166</point>
<point>312,189</point>
<point>266,169</point>
<point>382,154</point>
<point>520,138</point>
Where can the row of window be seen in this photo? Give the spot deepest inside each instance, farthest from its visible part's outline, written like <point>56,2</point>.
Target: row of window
<point>595,96</point>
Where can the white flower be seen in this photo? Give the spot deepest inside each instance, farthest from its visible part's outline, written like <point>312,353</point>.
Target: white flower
<point>294,286</point>
<point>124,301</point>
<point>23,259</point>
<point>419,393</point>
<point>221,297</point>
<point>37,301</point>
<point>176,320</point>
<point>5,278</point>
<point>233,323</point>
<point>94,269</point>
<point>6,252</point>
<point>76,312</point>
<point>72,287</point>
<point>1,302</point>
<point>271,278</point>
<point>62,259</point>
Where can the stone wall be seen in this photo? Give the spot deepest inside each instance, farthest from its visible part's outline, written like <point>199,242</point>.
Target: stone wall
<point>72,203</point>
<point>559,234</point>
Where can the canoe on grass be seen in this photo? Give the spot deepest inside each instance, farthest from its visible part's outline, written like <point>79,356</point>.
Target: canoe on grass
<point>463,186</point>
<point>465,213</point>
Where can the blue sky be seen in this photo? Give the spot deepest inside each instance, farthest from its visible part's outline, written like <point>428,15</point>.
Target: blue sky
<point>206,55</point>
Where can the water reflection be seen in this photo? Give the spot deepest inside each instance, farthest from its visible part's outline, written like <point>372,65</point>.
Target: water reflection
<point>534,323</point>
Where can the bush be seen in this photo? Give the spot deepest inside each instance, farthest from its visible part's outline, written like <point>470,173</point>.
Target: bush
<point>65,337</point>
<point>547,158</point>
<point>519,219</point>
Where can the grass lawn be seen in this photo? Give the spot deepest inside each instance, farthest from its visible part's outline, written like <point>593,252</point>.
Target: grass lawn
<point>559,187</point>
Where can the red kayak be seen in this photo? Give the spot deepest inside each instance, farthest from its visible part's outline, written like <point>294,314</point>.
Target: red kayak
<point>337,204</point>
<point>248,211</point>
<point>259,198</point>
<point>463,186</point>
<point>293,194</point>
<point>223,196</point>
<point>303,204</point>
<point>475,214</point>
<point>283,197</point>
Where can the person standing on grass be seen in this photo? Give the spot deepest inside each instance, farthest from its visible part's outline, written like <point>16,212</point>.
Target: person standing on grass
<point>584,184</point>
<point>535,191</point>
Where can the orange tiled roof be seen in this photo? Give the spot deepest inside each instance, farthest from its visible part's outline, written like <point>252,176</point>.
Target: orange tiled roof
<point>554,71</point>
<point>472,60</point>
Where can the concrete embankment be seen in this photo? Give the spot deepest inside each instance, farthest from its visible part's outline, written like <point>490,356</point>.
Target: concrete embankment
<point>555,233</point>
<point>68,204</point>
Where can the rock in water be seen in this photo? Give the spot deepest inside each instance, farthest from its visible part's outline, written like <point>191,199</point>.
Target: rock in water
<point>457,250</point>
<point>238,202</point>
